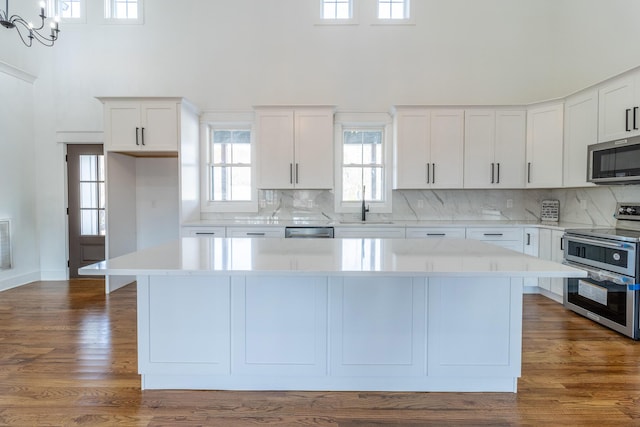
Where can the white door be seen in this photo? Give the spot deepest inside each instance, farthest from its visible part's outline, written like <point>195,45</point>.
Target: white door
<point>447,148</point>
<point>313,149</point>
<point>122,125</point>
<point>511,129</point>
<point>479,149</point>
<point>159,127</point>
<point>275,149</point>
<point>580,130</point>
<point>544,146</point>
<point>411,150</point>
<point>616,102</point>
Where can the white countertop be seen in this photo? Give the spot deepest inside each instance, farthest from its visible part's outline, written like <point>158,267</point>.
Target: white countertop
<point>330,257</point>
<point>275,222</point>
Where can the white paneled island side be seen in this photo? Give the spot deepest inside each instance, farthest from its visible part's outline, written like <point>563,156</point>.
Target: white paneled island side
<point>330,314</point>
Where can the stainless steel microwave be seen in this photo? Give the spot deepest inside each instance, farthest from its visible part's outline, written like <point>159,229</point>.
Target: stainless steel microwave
<point>615,162</point>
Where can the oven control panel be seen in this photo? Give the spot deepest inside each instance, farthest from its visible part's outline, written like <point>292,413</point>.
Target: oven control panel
<point>628,211</point>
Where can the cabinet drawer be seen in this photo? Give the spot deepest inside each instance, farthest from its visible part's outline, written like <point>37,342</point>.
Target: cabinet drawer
<point>203,232</point>
<point>370,232</point>
<point>257,232</point>
<point>495,233</point>
<point>435,232</point>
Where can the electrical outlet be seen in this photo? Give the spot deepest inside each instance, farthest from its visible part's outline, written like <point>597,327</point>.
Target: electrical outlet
<point>509,203</point>
<point>420,203</point>
<point>583,204</point>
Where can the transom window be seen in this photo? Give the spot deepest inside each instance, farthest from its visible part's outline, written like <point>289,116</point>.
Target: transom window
<point>393,9</point>
<point>124,11</point>
<point>230,165</point>
<point>92,195</point>
<point>70,8</point>
<point>337,9</point>
<point>363,165</point>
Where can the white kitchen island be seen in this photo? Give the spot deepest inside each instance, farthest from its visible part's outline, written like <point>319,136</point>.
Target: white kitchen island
<point>330,314</point>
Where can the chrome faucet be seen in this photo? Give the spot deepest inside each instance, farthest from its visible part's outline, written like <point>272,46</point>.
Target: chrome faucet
<point>365,209</point>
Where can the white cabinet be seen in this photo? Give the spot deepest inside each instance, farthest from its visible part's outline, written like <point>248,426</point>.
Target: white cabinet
<point>494,148</point>
<point>277,232</point>
<point>551,248</point>
<point>428,148</point>
<point>150,187</point>
<point>531,247</point>
<point>580,130</point>
<point>295,147</point>
<point>544,146</point>
<point>203,232</point>
<point>369,232</point>
<point>619,100</point>
<point>506,237</point>
<point>141,126</point>
<point>435,232</point>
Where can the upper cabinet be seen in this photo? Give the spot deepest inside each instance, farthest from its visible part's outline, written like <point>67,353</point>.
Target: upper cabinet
<point>295,147</point>
<point>428,148</point>
<point>580,130</point>
<point>494,148</point>
<point>619,101</point>
<point>141,127</point>
<point>544,146</point>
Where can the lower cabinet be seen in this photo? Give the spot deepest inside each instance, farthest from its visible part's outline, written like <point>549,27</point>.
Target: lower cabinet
<point>551,249</point>
<point>370,232</point>
<point>435,232</point>
<point>203,232</point>
<point>255,232</point>
<point>507,237</point>
<point>531,247</point>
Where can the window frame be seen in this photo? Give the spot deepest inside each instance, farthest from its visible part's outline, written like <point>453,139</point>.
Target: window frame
<point>206,131</point>
<point>407,20</point>
<point>56,10</point>
<point>110,19</point>
<point>353,5</point>
<point>364,121</point>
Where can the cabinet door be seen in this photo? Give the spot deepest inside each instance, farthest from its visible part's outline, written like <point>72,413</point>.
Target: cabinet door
<point>275,148</point>
<point>616,102</point>
<point>531,247</point>
<point>159,126</point>
<point>511,129</point>
<point>434,233</point>
<point>479,149</point>
<point>580,130</point>
<point>121,125</point>
<point>557,255</point>
<point>313,150</point>
<point>447,148</point>
<point>544,146</point>
<point>411,149</point>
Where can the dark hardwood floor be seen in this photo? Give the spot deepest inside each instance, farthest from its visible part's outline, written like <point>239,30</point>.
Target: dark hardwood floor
<point>68,357</point>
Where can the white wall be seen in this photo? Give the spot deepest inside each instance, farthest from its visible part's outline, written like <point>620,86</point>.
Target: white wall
<point>226,54</point>
<point>18,179</point>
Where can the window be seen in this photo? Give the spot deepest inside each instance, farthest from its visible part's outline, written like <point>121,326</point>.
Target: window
<point>230,182</point>
<point>337,9</point>
<point>123,11</point>
<point>92,195</point>
<point>230,165</point>
<point>362,156</point>
<point>393,9</point>
<point>362,165</point>
<point>70,10</point>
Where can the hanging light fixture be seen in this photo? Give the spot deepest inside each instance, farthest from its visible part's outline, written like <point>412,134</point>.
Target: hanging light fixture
<point>26,30</point>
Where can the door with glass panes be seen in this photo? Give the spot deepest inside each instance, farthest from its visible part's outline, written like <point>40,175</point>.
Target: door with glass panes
<point>86,209</point>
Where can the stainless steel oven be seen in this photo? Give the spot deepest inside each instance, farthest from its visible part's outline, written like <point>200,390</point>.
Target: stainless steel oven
<point>610,293</point>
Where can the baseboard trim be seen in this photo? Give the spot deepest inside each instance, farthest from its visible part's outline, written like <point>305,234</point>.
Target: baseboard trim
<point>23,279</point>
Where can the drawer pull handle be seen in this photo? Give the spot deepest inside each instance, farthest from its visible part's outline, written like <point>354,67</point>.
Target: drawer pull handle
<point>493,234</point>
<point>437,234</point>
<point>255,234</point>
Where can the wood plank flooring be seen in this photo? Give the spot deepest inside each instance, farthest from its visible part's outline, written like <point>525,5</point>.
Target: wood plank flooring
<point>68,358</point>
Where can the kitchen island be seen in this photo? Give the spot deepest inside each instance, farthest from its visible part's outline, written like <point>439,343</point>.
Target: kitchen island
<point>330,314</point>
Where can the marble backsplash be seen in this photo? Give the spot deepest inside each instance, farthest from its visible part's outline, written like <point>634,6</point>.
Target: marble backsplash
<point>589,206</point>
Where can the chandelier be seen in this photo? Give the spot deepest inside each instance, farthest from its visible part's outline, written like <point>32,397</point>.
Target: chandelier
<point>26,30</point>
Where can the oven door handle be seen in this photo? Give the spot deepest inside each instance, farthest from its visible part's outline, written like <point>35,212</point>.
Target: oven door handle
<point>601,275</point>
<point>598,242</point>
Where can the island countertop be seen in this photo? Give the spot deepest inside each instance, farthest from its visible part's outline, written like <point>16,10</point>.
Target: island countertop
<point>341,257</point>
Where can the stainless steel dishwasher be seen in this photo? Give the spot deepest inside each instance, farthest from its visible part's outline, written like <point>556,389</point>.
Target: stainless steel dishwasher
<point>308,232</point>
